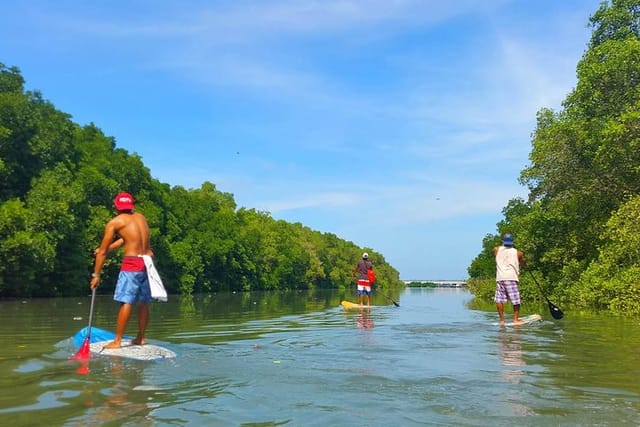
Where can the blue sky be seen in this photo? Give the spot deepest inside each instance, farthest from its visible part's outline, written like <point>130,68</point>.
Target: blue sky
<point>400,125</point>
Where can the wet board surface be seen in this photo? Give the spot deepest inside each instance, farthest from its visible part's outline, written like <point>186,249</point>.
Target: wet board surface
<point>132,351</point>
<point>101,337</point>
<point>526,320</point>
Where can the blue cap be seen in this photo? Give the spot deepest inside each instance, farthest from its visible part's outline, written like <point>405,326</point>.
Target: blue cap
<point>507,239</point>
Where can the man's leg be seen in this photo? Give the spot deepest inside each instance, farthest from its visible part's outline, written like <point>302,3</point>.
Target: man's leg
<point>516,312</point>
<point>123,318</point>
<point>143,321</point>
<point>500,307</point>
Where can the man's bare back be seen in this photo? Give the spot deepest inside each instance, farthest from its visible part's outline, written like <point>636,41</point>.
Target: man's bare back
<point>133,229</point>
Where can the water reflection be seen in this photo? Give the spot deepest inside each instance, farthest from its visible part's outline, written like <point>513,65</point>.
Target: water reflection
<point>116,401</point>
<point>364,319</point>
<point>513,371</point>
<point>510,351</point>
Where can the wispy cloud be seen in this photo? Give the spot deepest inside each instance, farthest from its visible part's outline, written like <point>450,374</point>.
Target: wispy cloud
<point>318,200</point>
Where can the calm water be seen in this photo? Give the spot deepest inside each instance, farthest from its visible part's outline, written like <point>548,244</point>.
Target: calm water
<point>297,359</point>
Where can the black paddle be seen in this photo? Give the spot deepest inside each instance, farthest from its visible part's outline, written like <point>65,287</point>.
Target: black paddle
<point>553,309</point>
<point>394,303</point>
<point>384,295</point>
<point>387,297</point>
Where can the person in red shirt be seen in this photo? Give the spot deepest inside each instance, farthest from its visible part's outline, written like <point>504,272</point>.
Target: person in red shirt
<point>361,271</point>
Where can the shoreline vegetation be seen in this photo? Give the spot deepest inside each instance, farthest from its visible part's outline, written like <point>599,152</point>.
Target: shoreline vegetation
<point>578,228</point>
<point>420,284</point>
<point>439,284</point>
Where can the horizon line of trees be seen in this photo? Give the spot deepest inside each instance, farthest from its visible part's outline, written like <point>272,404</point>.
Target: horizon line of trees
<point>579,227</point>
<point>57,183</point>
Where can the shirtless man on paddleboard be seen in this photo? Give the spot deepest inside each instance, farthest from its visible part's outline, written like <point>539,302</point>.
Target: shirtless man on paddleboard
<point>128,229</point>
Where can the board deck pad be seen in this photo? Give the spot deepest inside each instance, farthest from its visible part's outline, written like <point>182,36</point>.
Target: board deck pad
<point>526,320</point>
<point>101,337</point>
<point>132,351</point>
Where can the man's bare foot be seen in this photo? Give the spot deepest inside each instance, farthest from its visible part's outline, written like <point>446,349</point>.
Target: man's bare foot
<point>112,345</point>
<point>502,323</point>
<point>138,341</point>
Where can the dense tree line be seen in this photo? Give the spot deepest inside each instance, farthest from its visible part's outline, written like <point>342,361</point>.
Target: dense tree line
<point>57,183</point>
<point>579,226</point>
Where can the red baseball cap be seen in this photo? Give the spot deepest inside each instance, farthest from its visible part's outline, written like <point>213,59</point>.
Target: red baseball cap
<point>124,202</point>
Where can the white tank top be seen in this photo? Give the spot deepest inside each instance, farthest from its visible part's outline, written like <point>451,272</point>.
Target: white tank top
<point>507,264</point>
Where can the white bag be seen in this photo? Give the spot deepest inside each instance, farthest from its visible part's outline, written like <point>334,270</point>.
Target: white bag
<point>155,282</point>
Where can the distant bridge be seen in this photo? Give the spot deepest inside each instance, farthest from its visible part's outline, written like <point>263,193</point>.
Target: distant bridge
<point>440,283</point>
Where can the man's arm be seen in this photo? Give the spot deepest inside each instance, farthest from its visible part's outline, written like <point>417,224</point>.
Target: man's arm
<point>521,260</point>
<point>102,252</point>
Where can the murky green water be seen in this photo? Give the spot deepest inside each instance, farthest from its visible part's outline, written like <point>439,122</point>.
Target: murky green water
<point>297,359</point>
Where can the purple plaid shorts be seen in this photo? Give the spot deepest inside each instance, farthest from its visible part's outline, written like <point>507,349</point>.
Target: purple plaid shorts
<point>507,290</point>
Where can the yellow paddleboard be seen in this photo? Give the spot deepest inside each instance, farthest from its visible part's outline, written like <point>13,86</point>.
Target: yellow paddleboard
<point>347,305</point>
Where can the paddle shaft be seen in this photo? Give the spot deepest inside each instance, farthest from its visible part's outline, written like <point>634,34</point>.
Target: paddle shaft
<point>394,303</point>
<point>539,287</point>
<point>387,297</point>
<point>93,298</point>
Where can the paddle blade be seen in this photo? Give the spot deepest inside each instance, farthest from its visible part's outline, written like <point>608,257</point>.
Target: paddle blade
<point>84,353</point>
<point>555,311</point>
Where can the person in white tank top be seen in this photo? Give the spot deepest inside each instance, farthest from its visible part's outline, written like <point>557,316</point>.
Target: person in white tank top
<point>508,261</point>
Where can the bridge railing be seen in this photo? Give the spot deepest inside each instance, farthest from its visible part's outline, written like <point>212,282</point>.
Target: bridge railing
<point>439,283</point>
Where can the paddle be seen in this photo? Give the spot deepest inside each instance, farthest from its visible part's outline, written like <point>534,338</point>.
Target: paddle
<point>371,275</point>
<point>394,303</point>
<point>553,309</point>
<point>387,297</point>
<point>84,353</point>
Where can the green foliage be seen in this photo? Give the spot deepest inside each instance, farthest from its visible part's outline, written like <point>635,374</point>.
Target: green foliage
<point>483,266</point>
<point>57,183</point>
<point>612,281</point>
<point>482,288</point>
<point>23,252</point>
<point>616,21</point>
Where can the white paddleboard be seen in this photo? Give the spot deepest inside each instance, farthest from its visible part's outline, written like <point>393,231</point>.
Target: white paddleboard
<point>526,320</point>
<point>132,351</point>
